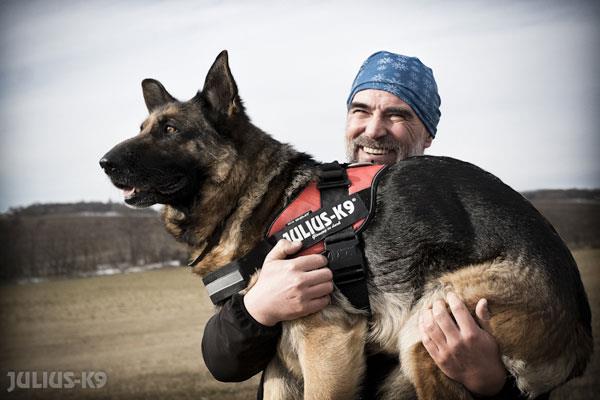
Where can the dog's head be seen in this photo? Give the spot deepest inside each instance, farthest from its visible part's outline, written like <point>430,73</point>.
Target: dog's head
<point>181,145</point>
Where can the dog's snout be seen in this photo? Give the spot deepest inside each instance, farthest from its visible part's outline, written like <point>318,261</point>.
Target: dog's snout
<point>106,164</point>
<point>121,157</point>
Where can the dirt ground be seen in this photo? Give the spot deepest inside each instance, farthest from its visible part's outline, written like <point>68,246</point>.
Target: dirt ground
<point>144,331</point>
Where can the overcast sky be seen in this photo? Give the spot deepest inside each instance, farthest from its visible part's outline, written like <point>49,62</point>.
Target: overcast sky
<point>518,80</point>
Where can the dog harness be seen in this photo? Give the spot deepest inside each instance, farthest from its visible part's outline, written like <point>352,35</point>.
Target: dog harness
<point>327,217</point>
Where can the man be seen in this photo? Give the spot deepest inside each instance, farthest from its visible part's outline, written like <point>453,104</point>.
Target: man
<point>393,112</point>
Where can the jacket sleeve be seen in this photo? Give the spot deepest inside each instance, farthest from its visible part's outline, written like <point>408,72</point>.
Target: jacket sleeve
<point>235,346</point>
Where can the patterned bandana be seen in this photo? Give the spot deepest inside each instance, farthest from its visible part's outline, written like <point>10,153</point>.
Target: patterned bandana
<point>405,77</point>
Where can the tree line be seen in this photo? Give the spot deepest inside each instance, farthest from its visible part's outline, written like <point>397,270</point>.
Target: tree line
<point>49,240</point>
<point>69,240</point>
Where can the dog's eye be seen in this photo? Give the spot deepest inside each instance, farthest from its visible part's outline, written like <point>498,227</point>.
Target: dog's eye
<point>170,129</point>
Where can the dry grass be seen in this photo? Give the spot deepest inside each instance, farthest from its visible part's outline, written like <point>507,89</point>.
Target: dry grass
<point>588,386</point>
<point>144,330</point>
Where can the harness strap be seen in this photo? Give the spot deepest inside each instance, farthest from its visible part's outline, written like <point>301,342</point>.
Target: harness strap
<point>343,250</point>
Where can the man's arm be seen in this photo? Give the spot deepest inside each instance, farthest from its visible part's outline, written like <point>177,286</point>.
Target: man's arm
<point>235,347</point>
<point>241,339</point>
<point>464,349</point>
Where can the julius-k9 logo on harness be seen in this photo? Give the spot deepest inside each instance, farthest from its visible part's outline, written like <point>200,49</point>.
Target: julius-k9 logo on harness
<point>312,227</point>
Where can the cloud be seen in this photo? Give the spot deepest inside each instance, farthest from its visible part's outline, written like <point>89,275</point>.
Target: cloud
<point>518,80</point>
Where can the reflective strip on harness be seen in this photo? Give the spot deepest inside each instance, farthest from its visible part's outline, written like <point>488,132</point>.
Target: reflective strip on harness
<point>233,277</point>
<point>225,282</point>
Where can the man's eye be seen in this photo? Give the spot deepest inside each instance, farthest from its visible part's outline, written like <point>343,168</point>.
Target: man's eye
<point>399,117</point>
<point>358,111</point>
<point>170,129</point>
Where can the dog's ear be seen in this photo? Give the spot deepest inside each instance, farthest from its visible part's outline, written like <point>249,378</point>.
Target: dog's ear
<point>155,94</point>
<point>220,90</point>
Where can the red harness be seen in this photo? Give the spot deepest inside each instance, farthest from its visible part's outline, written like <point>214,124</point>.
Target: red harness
<point>327,216</point>
<point>361,177</point>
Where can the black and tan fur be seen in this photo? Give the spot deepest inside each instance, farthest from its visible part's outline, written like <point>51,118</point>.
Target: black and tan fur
<point>441,225</point>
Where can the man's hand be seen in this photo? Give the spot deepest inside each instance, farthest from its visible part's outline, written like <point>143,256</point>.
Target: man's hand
<point>463,350</point>
<point>289,289</point>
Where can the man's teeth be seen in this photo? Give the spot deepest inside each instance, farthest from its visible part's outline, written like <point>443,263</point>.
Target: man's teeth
<point>371,150</point>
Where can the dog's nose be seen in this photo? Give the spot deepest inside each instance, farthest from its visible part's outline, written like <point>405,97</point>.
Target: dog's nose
<point>106,165</point>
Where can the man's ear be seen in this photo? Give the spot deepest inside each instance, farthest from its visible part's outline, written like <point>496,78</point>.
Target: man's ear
<point>427,141</point>
<point>155,94</point>
<point>220,90</point>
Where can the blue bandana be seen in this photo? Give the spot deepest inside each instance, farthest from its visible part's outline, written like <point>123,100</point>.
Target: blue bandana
<point>406,78</point>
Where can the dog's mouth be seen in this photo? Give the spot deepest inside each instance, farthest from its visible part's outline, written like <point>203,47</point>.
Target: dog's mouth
<point>129,192</point>
<point>139,198</point>
<point>147,195</point>
<point>134,196</point>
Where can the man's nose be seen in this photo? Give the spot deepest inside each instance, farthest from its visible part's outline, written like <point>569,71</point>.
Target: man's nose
<point>375,128</point>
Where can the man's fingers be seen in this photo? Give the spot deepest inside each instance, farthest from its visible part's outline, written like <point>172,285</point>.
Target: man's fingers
<point>429,344</point>
<point>317,304</point>
<point>310,262</point>
<point>318,276</point>
<point>431,328</point>
<point>444,321</point>
<point>461,313</point>
<point>483,315</point>
<point>320,290</point>
<point>282,249</point>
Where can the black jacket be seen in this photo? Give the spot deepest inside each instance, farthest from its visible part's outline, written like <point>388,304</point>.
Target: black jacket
<point>236,347</point>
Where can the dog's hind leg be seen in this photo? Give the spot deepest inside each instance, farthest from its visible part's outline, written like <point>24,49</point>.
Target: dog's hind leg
<point>431,383</point>
<point>542,341</point>
<point>332,356</point>
<point>418,370</point>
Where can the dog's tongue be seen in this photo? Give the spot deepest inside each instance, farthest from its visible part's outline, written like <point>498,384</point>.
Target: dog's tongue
<point>128,192</point>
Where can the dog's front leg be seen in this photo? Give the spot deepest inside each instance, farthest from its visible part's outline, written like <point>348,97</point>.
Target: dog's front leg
<point>331,354</point>
<point>281,382</point>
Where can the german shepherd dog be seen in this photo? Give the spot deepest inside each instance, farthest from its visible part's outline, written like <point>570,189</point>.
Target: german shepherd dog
<point>441,225</point>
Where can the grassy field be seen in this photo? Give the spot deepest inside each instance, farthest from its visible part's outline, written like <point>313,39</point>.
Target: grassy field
<point>144,331</point>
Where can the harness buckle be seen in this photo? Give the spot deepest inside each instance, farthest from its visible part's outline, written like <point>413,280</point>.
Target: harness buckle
<point>345,259</point>
<point>332,175</point>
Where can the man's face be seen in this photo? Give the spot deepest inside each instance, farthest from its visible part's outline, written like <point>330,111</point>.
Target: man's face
<point>383,129</point>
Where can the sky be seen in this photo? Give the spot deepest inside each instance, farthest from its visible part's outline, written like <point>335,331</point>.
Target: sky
<point>518,80</point>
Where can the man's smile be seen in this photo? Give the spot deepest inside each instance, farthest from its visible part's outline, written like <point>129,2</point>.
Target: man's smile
<point>374,151</point>
<point>377,155</point>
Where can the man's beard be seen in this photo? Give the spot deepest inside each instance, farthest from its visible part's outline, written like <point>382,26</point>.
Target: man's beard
<point>402,150</point>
